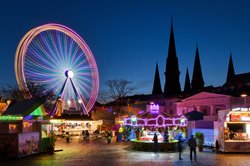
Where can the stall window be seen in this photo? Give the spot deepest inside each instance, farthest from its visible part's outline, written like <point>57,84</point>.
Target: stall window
<point>46,130</point>
<point>236,127</point>
<point>27,127</point>
<point>217,109</point>
<point>205,112</point>
<point>13,128</point>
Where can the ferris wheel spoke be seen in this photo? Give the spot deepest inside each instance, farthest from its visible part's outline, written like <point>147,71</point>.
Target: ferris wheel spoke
<point>79,97</point>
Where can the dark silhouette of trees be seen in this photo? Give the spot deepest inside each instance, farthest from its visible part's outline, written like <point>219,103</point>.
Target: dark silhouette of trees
<point>14,94</point>
<point>119,88</point>
<point>36,91</point>
<point>115,95</point>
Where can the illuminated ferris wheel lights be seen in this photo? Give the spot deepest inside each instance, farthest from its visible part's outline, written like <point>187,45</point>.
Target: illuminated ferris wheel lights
<point>68,102</point>
<point>42,54</point>
<point>69,73</point>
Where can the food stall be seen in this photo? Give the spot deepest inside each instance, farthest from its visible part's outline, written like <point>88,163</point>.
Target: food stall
<point>234,130</point>
<point>74,124</point>
<point>25,130</point>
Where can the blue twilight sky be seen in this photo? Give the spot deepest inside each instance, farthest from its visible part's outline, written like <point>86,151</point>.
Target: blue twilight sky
<point>128,37</point>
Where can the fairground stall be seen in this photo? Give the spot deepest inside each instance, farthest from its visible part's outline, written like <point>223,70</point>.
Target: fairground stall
<point>168,129</point>
<point>234,130</point>
<point>74,124</point>
<point>25,130</point>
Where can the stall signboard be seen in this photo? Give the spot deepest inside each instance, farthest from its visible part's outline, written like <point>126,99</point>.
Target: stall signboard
<point>245,118</point>
<point>235,117</point>
<point>240,117</point>
<point>28,144</point>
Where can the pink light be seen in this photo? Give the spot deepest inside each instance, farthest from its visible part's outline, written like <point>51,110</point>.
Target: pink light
<point>154,107</point>
<point>182,121</point>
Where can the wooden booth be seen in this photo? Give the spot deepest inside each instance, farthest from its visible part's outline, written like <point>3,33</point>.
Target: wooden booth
<point>25,129</point>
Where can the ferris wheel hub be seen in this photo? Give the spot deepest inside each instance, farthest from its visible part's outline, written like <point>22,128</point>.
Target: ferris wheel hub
<point>69,73</point>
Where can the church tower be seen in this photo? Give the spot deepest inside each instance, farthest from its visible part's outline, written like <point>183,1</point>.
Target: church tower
<point>157,82</point>
<point>187,86</point>
<point>172,84</point>
<point>230,71</point>
<point>197,80</point>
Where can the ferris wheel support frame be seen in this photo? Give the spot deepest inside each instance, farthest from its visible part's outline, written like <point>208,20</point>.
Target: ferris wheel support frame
<point>83,107</point>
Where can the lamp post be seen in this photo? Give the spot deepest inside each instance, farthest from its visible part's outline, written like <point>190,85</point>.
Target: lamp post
<point>244,95</point>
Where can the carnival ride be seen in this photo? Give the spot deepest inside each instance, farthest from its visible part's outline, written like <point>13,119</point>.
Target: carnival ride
<point>172,128</point>
<point>58,59</point>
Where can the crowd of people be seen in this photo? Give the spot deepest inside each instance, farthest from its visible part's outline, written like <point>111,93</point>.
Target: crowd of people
<point>108,134</point>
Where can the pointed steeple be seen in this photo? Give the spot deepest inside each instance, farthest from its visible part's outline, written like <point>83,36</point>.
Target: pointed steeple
<point>157,82</point>
<point>197,80</point>
<point>187,86</point>
<point>172,73</point>
<point>230,71</point>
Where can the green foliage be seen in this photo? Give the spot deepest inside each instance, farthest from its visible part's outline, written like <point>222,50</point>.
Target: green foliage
<point>200,138</point>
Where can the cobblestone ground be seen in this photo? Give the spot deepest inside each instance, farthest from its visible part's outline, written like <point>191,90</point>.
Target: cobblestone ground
<point>79,153</point>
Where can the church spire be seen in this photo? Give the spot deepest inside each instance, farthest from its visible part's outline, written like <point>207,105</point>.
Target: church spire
<point>157,83</point>
<point>187,86</point>
<point>172,73</point>
<point>230,71</point>
<point>197,80</point>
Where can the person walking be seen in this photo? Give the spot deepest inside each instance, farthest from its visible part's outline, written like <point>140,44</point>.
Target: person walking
<point>179,147</point>
<point>192,145</point>
<point>155,139</point>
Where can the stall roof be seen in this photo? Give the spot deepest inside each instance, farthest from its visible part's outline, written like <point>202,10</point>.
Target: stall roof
<point>24,108</point>
<point>194,115</point>
<point>74,117</point>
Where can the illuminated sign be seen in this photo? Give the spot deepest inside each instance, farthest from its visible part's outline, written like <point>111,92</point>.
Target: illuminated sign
<point>241,109</point>
<point>10,117</point>
<point>245,118</point>
<point>57,120</point>
<point>154,108</point>
<point>235,117</point>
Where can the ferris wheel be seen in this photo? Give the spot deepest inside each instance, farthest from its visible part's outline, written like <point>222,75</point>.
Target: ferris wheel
<point>58,59</point>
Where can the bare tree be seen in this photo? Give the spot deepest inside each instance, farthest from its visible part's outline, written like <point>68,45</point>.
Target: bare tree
<point>12,93</point>
<point>103,97</point>
<point>119,88</point>
<point>115,95</point>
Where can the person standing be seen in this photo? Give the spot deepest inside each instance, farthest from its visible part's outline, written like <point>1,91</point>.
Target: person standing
<point>231,135</point>
<point>192,144</point>
<point>155,139</point>
<point>108,136</point>
<point>87,135</point>
<point>179,147</point>
<point>67,137</point>
<point>217,146</point>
